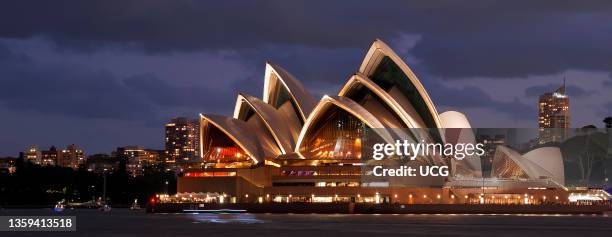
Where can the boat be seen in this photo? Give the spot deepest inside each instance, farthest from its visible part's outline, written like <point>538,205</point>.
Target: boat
<point>59,207</point>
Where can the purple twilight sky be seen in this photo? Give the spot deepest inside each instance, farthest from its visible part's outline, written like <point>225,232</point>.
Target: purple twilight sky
<point>103,74</point>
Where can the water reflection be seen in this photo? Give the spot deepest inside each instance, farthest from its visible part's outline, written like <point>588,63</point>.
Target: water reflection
<point>224,218</point>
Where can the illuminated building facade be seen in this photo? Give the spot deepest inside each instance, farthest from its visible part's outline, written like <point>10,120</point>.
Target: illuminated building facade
<point>287,147</point>
<point>49,157</point>
<point>137,158</point>
<point>554,112</point>
<point>71,157</point>
<point>33,155</point>
<point>181,141</point>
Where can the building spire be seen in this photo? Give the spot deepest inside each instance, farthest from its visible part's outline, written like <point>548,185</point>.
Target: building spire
<point>563,83</point>
<point>561,89</point>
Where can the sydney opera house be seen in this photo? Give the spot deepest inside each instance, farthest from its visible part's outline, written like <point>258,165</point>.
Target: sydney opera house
<point>290,147</point>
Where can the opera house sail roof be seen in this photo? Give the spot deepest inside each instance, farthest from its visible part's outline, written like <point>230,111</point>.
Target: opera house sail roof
<point>267,120</point>
<point>389,72</point>
<point>383,93</point>
<point>383,97</point>
<point>458,130</point>
<point>509,164</point>
<point>281,89</point>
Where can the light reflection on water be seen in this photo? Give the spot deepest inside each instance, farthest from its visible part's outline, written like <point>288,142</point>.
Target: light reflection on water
<point>93,223</point>
<point>224,218</point>
<point>246,218</point>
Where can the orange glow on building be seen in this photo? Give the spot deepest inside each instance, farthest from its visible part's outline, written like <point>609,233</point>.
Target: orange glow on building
<point>210,174</point>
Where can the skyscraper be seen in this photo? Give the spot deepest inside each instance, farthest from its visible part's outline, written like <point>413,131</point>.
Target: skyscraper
<point>554,115</point>
<point>182,140</point>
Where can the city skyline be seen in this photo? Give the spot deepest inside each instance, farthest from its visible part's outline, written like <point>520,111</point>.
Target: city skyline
<point>306,117</point>
<point>113,83</point>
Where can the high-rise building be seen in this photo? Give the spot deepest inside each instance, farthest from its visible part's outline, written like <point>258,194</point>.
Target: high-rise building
<point>554,115</point>
<point>182,140</point>
<point>33,155</point>
<point>49,157</point>
<point>71,157</point>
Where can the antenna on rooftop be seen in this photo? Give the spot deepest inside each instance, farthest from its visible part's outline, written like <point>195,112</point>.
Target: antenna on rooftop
<point>564,83</point>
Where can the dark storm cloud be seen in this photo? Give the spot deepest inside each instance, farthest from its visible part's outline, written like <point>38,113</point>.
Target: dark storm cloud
<point>66,90</point>
<point>314,67</point>
<point>497,39</point>
<point>69,90</point>
<point>544,46</point>
<point>606,110</point>
<point>474,97</point>
<point>573,91</point>
<point>608,83</point>
<point>166,94</point>
<point>5,53</point>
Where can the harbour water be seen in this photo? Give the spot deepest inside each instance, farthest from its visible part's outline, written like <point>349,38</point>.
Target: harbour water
<point>123,222</point>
